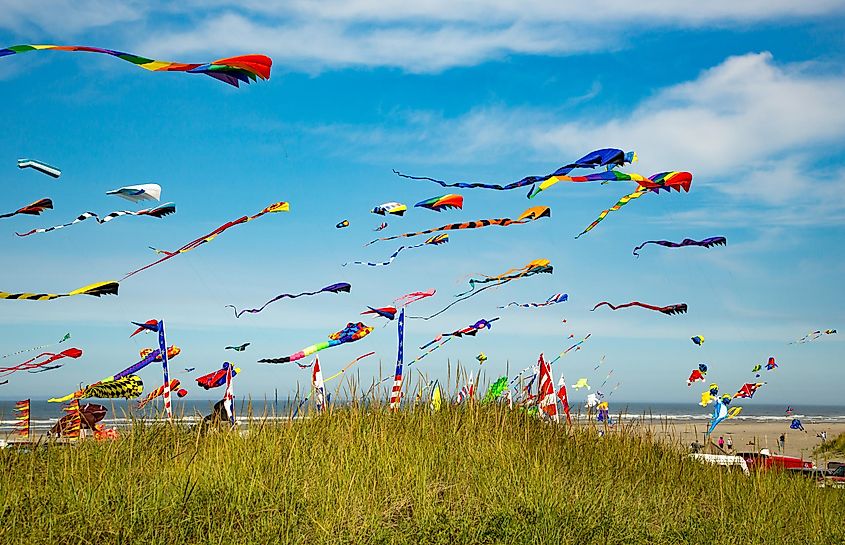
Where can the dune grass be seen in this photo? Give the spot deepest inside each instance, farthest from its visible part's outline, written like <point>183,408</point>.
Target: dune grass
<point>834,447</point>
<point>365,475</point>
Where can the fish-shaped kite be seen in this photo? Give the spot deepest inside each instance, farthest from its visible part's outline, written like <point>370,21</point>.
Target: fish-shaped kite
<point>138,193</point>
<point>149,325</point>
<point>350,333</point>
<point>443,202</point>
<point>43,168</point>
<point>531,214</point>
<point>232,70</point>
<point>342,224</point>
<point>382,226</point>
<point>33,209</point>
<point>704,243</point>
<point>670,310</point>
<point>395,208</point>
<point>340,287</point>
<point>436,240</point>
<point>157,212</point>
<point>131,370</point>
<point>273,208</point>
<point>97,290</point>
<point>239,348</point>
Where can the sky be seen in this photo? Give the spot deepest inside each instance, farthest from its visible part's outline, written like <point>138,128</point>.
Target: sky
<point>745,95</point>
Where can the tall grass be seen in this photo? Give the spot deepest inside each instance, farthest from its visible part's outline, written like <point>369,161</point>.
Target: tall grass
<point>365,475</point>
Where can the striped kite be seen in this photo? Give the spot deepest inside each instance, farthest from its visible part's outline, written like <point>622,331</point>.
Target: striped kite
<point>43,168</point>
<point>158,392</point>
<point>748,389</point>
<point>609,157</point>
<point>138,193</point>
<point>350,333</point>
<point>436,240</point>
<point>31,363</point>
<point>704,243</point>
<point>131,370</point>
<point>340,287</point>
<point>442,202</point>
<point>533,213</point>
<point>554,299</point>
<point>395,208</point>
<point>232,70</point>
<point>33,209</point>
<point>670,310</point>
<point>273,208</point>
<point>98,289</point>
<point>157,212</point>
<point>655,182</point>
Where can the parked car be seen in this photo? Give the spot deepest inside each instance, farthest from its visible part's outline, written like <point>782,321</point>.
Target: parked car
<point>836,478</point>
<point>765,460</point>
<point>722,460</point>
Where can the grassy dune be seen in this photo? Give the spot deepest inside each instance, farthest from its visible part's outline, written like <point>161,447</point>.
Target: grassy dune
<point>474,475</point>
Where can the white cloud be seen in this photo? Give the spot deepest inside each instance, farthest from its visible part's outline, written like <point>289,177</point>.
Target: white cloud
<point>64,18</point>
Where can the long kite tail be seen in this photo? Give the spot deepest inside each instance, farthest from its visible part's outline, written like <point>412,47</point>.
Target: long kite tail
<point>100,288</point>
<point>705,243</point>
<point>157,212</point>
<point>467,185</point>
<point>41,347</point>
<point>348,365</point>
<point>679,308</point>
<point>334,288</point>
<point>622,202</point>
<point>389,259</point>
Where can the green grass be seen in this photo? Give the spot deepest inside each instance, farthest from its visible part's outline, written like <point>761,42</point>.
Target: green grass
<point>478,475</point>
<point>835,447</point>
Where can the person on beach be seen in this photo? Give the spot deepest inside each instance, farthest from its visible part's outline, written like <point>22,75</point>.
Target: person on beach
<point>721,442</point>
<point>822,436</point>
<point>730,443</point>
<point>782,442</point>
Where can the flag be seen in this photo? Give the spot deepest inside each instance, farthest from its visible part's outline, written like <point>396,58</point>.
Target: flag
<point>546,400</point>
<point>229,396</point>
<point>23,419</point>
<point>435,397</point>
<point>466,392</point>
<point>317,384</point>
<point>72,429</point>
<point>564,401</point>
<point>396,392</point>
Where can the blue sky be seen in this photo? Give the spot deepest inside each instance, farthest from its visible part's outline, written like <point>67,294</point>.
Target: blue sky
<point>747,96</point>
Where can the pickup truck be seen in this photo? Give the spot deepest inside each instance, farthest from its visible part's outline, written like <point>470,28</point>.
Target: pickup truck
<point>765,460</point>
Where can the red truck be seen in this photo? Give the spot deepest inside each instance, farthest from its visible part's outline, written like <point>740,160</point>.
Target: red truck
<point>765,460</point>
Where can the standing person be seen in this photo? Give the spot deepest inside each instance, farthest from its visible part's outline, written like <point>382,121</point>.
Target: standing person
<point>721,442</point>
<point>824,436</point>
<point>730,443</point>
<point>782,442</point>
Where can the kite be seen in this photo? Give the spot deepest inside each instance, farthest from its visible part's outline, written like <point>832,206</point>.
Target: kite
<point>217,378</point>
<point>239,348</point>
<point>668,310</point>
<point>720,413</point>
<point>33,348</point>
<point>97,290</point>
<point>33,209</point>
<point>442,202</point>
<point>333,288</point>
<point>481,358</point>
<point>771,365</point>
<point>157,212</point>
<point>172,352</point>
<point>342,224</point>
<point>44,369</point>
<point>706,398</point>
<point>395,208</point>
<point>609,157</point>
<point>531,214</point>
<point>232,70</point>
<point>813,336</point>
<point>697,374</point>
<point>436,240</point>
<point>31,363</point>
<point>188,369</point>
<point>138,193</point>
<point>676,180</point>
<point>796,425</point>
<point>413,297</point>
<point>704,243</point>
<point>537,266</point>
<point>43,168</point>
<point>554,299</point>
<point>350,333</point>
<point>655,182</point>
<point>436,397</point>
<point>348,365</point>
<point>471,330</point>
<point>149,325</point>
<point>384,312</point>
<point>755,369</point>
<point>789,410</point>
<point>273,208</point>
<point>748,389</point>
<point>381,227</point>
<point>131,370</point>
<point>698,340</point>
<point>576,347</point>
<point>174,387</point>
<point>496,390</point>
<point>581,383</point>
<point>126,387</point>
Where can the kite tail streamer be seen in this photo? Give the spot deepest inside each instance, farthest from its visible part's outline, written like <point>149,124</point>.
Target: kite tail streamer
<point>679,308</point>
<point>334,288</point>
<point>622,202</point>
<point>43,346</point>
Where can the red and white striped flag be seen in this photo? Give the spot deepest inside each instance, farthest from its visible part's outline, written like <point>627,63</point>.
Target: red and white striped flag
<point>546,400</point>
<point>467,392</point>
<point>229,396</point>
<point>317,383</point>
<point>564,401</point>
<point>396,391</point>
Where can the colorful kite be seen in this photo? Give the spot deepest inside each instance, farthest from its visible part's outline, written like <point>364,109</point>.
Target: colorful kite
<point>350,333</point>
<point>218,377</point>
<point>340,287</point>
<point>704,243</point>
<point>125,387</point>
<point>138,193</point>
<point>554,299</point>
<point>239,348</point>
<point>796,425</point>
<point>756,369</point>
<point>481,358</point>
<point>174,387</point>
<point>581,383</point>
<point>32,363</point>
<point>472,330</point>
<point>697,374</point>
<point>97,290</point>
<point>342,224</point>
<point>496,390</point>
<point>442,202</point>
<point>157,212</point>
<point>748,389</point>
<point>232,70</point>
<point>381,227</point>
<point>537,266</point>
<point>131,370</point>
<point>273,208</point>
<point>149,325</point>
<point>771,365</point>
<point>531,214</point>
<point>395,208</point>
<point>812,336</point>
<point>172,352</point>
<point>413,297</point>
<point>670,310</point>
<point>41,347</point>
<point>436,240</point>
<point>609,158</point>
<point>655,182</point>
<point>721,413</point>
<point>384,312</point>
<point>43,168</point>
<point>698,340</point>
<point>33,209</point>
